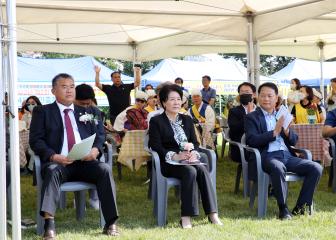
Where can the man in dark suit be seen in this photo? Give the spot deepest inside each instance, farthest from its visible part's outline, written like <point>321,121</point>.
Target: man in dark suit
<point>247,94</point>
<point>265,132</point>
<point>55,128</point>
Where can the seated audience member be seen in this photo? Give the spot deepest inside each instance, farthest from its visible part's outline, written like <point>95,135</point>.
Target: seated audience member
<point>179,81</point>
<point>55,128</point>
<point>85,97</point>
<point>159,107</point>
<point>185,101</point>
<point>148,87</point>
<point>267,134</point>
<point>137,115</point>
<point>318,100</point>
<point>294,96</point>
<point>306,111</point>
<point>172,135</point>
<point>22,109</point>
<point>151,101</point>
<point>331,99</point>
<point>236,117</point>
<point>201,112</point>
<point>228,106</point>
<point>31,102</point>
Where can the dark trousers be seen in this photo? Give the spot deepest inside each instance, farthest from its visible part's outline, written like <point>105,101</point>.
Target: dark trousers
<point>191,177</point>
<point>277,163</point>
<point>94,172</point>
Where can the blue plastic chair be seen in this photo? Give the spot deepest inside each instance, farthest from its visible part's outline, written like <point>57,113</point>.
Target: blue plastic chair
<point>263,179</point>
<point>161,184</point>
<point>79,188</point>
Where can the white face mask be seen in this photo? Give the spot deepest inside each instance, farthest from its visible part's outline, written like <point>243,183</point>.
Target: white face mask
<point>293,86</point>
<point>31,107</point>
<point>301,95</point>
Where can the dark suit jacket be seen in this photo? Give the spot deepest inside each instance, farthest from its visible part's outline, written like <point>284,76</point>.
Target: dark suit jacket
<point>46,130</point>
<point>236,124</point>
<point>257,135</point>
<point>161,135</point>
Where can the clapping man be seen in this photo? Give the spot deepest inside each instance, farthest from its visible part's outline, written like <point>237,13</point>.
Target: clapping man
<point>265,132</point>
<point>55,128</point>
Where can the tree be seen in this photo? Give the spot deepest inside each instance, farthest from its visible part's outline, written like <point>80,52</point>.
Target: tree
<point>268,64</point>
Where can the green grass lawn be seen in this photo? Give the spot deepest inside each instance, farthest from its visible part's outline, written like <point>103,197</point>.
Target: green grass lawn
<point>137,221</point>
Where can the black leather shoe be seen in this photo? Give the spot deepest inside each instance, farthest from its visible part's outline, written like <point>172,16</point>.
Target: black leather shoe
<point>49,234</point>
<point>301,210</point>
<point>284,214</point>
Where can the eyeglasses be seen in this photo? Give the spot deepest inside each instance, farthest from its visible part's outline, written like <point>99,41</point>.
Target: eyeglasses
<point>140,100</point>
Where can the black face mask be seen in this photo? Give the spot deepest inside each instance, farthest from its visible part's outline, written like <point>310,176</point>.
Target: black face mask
<point>245,98</point>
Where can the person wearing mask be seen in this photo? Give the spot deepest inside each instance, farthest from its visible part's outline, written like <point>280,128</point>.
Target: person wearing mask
<point>331,99</point>
<point>148,87</point>
<point>236,117</point>
<point>306,111</point>
<point>294,96</point>
<point>31,103</point>
<point>118,94</point>
<point>172,136</point>
<point>208,93</point>
<point>151,101</point>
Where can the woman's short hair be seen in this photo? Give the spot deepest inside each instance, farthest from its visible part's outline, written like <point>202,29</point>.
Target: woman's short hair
<point>297,82</point>
<point>84,92</point>
<point>309,91</point>
<point>165,90</point>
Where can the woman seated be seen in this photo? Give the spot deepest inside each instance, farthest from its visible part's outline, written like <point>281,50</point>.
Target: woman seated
<point>306,111</point>
<point>151,101</point>
<point>136,117</point>
<point>31,102</point>
<point>172,136</point>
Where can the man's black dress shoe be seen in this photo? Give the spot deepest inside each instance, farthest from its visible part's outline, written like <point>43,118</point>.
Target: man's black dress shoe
<point>301,210</point>
<point>49,234</point>
<point>284,214</point>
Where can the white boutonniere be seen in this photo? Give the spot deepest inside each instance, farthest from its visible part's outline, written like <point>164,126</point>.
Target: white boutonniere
<point>88,118</point>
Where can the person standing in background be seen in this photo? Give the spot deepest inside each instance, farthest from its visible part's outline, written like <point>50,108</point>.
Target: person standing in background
<point>208,93</point>
<point>118,94</point>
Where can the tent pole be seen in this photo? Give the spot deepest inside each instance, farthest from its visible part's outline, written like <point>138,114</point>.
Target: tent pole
<point>14,128</point>
<point>3,193</point>
<point>249,17</point>
<point>257,64</point>
<point>135,61</point>
<point>321,53</point>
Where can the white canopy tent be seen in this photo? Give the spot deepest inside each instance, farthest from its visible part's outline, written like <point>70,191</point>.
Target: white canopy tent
<point>146,30</point>
<point>307,71</point>
<point>226,74</point>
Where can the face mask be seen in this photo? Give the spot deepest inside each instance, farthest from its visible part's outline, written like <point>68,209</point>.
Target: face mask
<point>293,86</point>
<point>301,96</point>
<point>245,98</point>
<point>31,107</point>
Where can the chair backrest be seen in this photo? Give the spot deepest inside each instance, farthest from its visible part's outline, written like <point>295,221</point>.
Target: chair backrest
<point>222,122</point>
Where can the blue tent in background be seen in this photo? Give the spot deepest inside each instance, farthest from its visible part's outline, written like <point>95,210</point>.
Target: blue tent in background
<point>308,72</point>
<point>35,75</point>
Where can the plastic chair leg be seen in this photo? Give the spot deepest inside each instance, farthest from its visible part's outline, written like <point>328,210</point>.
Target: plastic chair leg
<point>253,193</point>
<point>162,206</point>
<point>119,170</point>
<point>62,201</point>
<point>80,204</point>
<point>239,171</point>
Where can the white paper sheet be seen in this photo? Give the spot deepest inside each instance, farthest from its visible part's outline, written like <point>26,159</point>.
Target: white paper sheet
<point>283,111</point>
<point>81,149</point>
